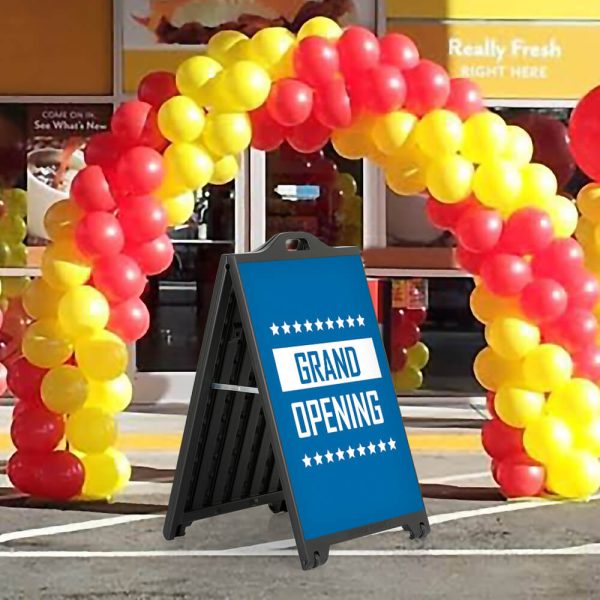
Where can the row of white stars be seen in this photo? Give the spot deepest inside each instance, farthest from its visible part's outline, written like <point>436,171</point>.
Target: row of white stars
<point>350,453</point>
<point>320,325</point>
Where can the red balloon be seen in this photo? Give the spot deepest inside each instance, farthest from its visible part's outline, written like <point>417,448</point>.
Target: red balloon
<point>156,88</point>
<point>407,335</point>
<point>479,229</point>
<point>550,142</point>
<point>582,288</point>
<point>418,316</point>
<point>25,380</point>
<point>140,170</point>
<point>446,216</point>
<point>527,231</point>
<point>490,399</point>
<point>290,102</point>
<point>470,261</point>
<point>37,430</point>
<point>465,98</point>
<point>398,50</point>
<point>586,363</point>
<point>99,234</point>
<point>152,257</point>
<point>499,440</point>
<point>427,87</point>
<point>558,259</point>
<point>543,300</point>
<point>23,470</point>
<point>90,190</point>
<point>130,320</point>
<point>358,50</point>
<point>309,137</point>
<point>520,477</point>
<point>386,89</point>
<point>399,358</point>
<point>142,218</point>
<point>494,469</point>
<point>575,329</point>
<point>61,476</point>
<point>584,129</point>
<point>103,150</point>
<point>316,60</point>
<point>267,134</point>
<point>505,274</point>
<point>135,123</point>
<point>118,277</point>
<point>332,105</point>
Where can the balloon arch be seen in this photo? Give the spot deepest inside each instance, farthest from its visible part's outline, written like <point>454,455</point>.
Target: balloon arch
<point>372,98</point>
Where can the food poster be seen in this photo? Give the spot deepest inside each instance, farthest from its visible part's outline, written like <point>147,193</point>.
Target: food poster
<point>160,34</point>
<point>56,135</point>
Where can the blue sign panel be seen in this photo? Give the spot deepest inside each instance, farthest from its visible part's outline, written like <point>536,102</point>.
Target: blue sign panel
<point>334,403</point>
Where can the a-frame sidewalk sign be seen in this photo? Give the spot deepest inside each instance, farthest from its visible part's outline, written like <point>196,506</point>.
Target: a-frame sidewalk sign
<point>293,403</point>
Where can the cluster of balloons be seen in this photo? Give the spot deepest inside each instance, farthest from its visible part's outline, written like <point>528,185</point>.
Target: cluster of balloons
<point>13,230</point>
<point>336,215</point>
<point>409,355</point>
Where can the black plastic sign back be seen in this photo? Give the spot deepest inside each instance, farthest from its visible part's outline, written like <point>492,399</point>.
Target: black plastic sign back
<point>293,403</point>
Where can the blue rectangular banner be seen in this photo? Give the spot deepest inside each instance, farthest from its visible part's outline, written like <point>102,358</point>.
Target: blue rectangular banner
<point>336,410</point>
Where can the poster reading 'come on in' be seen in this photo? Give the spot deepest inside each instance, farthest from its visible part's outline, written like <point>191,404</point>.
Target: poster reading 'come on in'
<point>160,34</point>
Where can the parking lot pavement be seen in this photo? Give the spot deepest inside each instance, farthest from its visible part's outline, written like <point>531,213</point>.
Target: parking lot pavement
<point>480,546</point>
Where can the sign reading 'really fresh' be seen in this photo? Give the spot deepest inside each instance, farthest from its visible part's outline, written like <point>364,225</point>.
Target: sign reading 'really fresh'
<point>336,411</point>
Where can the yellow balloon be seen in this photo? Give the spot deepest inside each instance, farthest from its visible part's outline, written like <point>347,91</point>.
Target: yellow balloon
<point>519,146</point>
<point>576,475</point>
<point>539,183</point>
<point>12,229</point>
<point>227,133</point>
<point>179,208</point>
<point>63,266</point>
<point>112,395</point>
<point>487,306</point>
<point>439,132</point>
<point>322,27</point>
<point>547,367</point>
<point>547,439</point>
<point>40,301</point>
<point>64,389</point>
<point>511,337</point>
<point>588,202</point>
<point>46,344</point>
<point>518,407</point>
<point>485,137</point>
<point>101,356</point>
<point>91,430</point>
<point>577,402</point>
<point>82,311</point>
<point>248,84</point>
<point>189,164</point>
<point>15,201</point>
<point>563,214</point>
<point>391,131</point>
<point>193,74</point>
<point>587,437</point>
<point>17,255</point>
<point>14,287</point>
<point>226,169</point>
<point>238,52</point>
<point>351,143</point>
<point>222,42</point>
<point>498,183</point>
<point>408,379</point>
<point>586,232</point>
<point>105,474</point>
<point>418,356</point>
<point>492,371</point>
<point>269,46</point>
<point>180,119</point>
<point>346,184</point>
<point>450,178</point>
<point>61,219</point>
<point>405,178</point>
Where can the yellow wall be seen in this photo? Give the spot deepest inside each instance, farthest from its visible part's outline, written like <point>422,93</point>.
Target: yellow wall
<point>56,47</point>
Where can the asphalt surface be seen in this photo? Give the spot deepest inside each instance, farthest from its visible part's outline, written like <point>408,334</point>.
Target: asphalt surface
<point>480,546</point>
